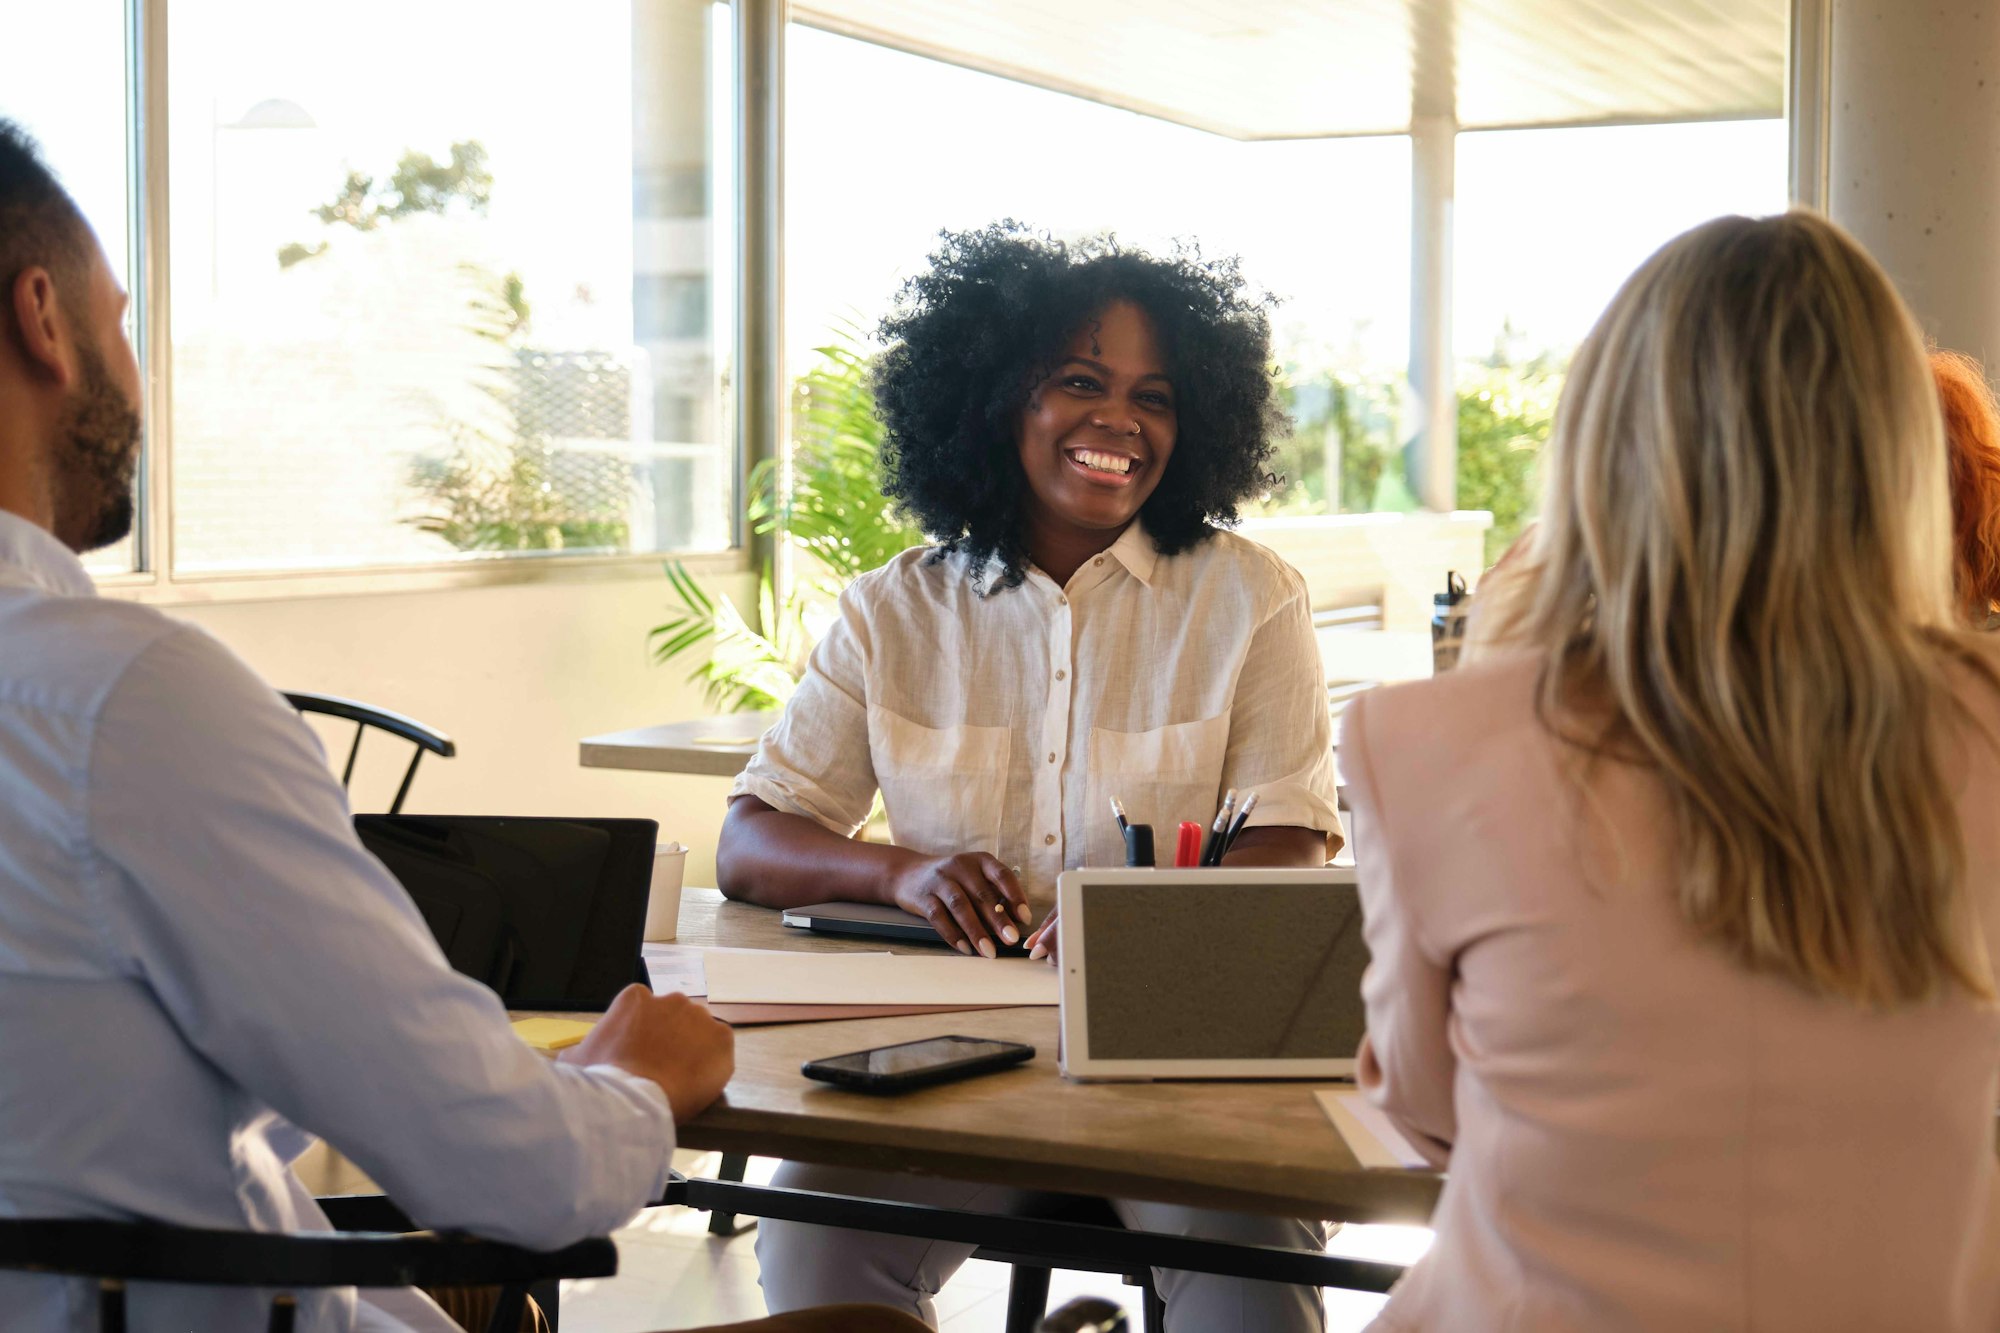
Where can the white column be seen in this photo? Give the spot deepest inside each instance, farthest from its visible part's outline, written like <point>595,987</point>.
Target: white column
<point>762,401</point>
<point>1914,156</point>
<point>1432,457</point>
<point>675,397</point>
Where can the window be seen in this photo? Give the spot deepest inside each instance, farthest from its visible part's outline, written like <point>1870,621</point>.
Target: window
<point>1549,224</point>
<point>444,281</point>
<point>63,77</point>
<point>1323,224</point>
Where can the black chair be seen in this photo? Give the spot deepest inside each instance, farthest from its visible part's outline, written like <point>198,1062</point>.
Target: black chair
<point>115,1253</point>
<point>364,716</point>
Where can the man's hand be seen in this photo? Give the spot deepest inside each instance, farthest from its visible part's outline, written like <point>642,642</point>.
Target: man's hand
<point>969,899</point>
<point>669,1039</point>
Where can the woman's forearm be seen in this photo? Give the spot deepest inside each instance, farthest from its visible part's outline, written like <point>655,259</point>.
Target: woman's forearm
<point>774,859</point>
<point>1277,845</point>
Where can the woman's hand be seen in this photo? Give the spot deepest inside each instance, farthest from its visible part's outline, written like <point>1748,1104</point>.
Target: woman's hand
<point>1042,944</point>
<point>970,900</point>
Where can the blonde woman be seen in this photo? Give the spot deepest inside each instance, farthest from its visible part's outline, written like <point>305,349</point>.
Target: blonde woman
<point>1683,898</point>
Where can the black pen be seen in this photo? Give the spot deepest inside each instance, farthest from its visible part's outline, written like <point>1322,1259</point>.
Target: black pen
<point>1229,838</point>
<point>1118,813</point>
<point>1211,851</point>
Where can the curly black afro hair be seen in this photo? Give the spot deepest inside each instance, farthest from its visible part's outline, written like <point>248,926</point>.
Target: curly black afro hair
<point>970,338</point>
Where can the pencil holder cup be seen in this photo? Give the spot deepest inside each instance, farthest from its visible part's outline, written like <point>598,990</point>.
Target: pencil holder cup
<point>663,902</point>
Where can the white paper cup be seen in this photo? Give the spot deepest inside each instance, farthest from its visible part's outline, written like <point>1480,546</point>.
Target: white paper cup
<point>663,903</point>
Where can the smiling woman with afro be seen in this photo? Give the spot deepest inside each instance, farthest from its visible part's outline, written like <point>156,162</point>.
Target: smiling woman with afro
<point>1070,424</point>
<point>971,338</point>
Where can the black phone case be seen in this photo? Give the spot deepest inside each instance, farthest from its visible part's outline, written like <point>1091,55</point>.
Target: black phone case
<point>919,1078</point>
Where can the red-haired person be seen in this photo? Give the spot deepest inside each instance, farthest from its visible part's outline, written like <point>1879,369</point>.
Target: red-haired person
<point>1972,438</point>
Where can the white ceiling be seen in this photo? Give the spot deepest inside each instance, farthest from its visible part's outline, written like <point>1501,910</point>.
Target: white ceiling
<point>1276,69</point>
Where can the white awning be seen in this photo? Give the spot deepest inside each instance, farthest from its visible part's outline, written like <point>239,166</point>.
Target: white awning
<point>1286,69</point>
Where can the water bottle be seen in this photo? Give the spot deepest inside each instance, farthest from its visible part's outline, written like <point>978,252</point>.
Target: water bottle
<point>1448,622</point>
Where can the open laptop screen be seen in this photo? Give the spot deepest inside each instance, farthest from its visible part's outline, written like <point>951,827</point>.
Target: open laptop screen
<point>547,912</point>
<point>1223,971</point>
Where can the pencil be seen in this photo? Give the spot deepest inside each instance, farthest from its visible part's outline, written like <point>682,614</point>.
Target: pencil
<point>1211,851</point>
<point>1229,838</point>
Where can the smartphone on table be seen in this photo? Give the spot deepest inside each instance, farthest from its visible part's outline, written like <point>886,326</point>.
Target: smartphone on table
<point>917,1064</point>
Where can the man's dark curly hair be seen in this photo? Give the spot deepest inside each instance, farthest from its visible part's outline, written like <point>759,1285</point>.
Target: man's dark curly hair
<point>972,337</point>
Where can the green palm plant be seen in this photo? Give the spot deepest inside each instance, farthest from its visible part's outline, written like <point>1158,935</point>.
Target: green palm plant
<point>833,514</point>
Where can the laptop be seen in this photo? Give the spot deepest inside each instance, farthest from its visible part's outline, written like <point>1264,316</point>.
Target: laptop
<point>1186,974</point>
<point>546,912</point>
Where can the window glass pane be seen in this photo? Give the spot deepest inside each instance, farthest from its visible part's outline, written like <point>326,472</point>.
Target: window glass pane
<point>445,281</point>
<point>1323,224</point>
<point>62,77</point>
<point>1549,224</point>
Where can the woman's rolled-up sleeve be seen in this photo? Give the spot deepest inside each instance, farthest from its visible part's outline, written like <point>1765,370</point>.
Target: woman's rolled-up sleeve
<point>1406,1062</point>
<point>815,762</point>
<point>1280,732</point>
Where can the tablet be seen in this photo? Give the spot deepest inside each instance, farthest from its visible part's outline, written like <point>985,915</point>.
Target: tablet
<point>1210,973</point>
<point>877,921</point>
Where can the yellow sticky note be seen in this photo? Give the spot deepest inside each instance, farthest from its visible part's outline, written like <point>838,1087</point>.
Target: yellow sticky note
<point>551,1034</point>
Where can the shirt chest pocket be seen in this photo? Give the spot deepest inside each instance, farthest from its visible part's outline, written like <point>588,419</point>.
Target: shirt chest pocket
<point>1161,777</point>
<point>942,787</point>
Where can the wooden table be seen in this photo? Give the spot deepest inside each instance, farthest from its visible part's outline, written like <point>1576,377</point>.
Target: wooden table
<point>1257,1147</point>
<point>712,747</point>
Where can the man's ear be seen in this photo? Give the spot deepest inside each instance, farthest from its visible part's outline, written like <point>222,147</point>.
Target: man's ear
<point>39,325</point>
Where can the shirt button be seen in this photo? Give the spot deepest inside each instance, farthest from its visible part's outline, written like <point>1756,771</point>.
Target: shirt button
<point>1098,561</point>
<point>1063,601</point>
<point>1048,839</point>
<point>1052,756</point>
<point>1061,674</point>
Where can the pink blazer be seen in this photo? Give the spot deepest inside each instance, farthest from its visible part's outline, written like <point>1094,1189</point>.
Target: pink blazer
<point>1639,1133</point>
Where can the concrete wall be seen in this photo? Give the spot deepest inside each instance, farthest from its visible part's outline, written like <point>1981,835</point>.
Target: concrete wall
<point>515,674</point>
<point>1400,559</point>
<point>1913,142</point>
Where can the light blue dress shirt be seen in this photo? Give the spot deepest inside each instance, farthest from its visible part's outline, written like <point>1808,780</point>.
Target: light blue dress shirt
<point>200,968</point>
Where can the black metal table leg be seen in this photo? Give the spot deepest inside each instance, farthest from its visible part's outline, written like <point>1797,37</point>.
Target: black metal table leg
<point>1027,1298</point>
<point>732,1167</point>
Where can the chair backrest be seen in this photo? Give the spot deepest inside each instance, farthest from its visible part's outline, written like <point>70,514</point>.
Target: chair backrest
<point>424,737</point>
<point>116,1253</point>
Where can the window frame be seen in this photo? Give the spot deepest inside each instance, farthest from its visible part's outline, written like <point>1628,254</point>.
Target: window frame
<point>153,578</point>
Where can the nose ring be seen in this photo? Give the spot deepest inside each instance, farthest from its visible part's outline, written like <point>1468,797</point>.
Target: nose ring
<point>1136,428</point>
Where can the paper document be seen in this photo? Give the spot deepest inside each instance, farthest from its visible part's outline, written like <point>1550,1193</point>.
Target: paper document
<point>684,967</point>
<point>877,978</point>
<point>675,967</point>
<point>757,1015</point>
<point>1373,1140</point>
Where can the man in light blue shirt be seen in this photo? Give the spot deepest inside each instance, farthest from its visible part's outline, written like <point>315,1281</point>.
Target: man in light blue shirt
<point>200,967</point>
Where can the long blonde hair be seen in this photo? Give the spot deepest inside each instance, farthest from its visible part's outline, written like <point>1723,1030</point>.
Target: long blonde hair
<point>1742,579</point>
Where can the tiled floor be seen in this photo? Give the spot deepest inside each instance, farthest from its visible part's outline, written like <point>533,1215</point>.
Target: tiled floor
<point>674,1275</point>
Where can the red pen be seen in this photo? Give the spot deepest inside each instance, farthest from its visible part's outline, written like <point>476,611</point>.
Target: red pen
<point>1187,852</point>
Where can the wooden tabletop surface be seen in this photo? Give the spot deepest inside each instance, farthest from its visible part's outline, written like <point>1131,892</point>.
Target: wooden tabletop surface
<point>1262,1147</point>
<point>715,747</point>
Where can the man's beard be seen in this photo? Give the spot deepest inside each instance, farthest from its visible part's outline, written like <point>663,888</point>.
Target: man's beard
<point>98,454</point>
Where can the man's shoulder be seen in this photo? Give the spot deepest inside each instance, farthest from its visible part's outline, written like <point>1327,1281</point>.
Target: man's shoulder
<point>69,653</point>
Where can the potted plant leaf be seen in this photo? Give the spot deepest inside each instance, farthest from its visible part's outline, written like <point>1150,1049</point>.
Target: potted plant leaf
<point>833,517</point>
